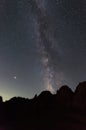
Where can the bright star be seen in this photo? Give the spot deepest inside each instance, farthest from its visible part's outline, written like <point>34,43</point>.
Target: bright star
<point>15,77</point>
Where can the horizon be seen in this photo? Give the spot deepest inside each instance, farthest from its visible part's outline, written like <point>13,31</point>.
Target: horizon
<point>53,93</point>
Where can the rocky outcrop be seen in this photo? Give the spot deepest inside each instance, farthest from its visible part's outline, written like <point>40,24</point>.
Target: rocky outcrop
<point>64,96</point>
<point>80,96</point>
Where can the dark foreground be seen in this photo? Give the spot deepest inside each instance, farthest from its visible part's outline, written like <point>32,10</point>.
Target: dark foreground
<point>63,111</point>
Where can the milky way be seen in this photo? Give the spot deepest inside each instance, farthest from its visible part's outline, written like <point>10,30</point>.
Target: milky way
<point>46,45</point>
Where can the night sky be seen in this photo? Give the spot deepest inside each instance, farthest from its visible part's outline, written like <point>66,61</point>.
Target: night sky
<point>42,46</point>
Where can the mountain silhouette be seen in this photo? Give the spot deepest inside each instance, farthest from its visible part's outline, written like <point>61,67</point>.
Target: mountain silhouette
<point>64,110</point>
<point>80,96</point>
<point>65,96</point>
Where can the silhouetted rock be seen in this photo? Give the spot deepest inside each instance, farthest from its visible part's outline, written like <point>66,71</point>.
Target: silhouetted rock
<point>64,96</point>
<point>80,96</point>
<point>18,99</point>
<point>44,100</point>
<point>45,95</point>
<point>1,99</point>
<point>46,111</point>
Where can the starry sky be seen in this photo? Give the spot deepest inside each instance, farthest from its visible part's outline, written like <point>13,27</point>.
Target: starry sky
<point>42,46</point>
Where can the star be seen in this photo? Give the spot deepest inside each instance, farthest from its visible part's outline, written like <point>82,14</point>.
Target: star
<point>15,77</point>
